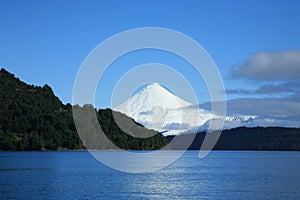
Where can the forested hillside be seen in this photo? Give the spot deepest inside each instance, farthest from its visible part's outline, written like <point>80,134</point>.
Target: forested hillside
<point>33,118</point>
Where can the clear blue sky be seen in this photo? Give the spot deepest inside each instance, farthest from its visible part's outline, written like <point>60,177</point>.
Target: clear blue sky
<point>46,41</point>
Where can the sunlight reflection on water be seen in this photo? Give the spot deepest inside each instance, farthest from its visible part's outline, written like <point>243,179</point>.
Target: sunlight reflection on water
<point>221,175</point>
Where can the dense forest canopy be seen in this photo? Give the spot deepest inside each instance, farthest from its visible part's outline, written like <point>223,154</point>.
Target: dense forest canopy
<point>33,118</point>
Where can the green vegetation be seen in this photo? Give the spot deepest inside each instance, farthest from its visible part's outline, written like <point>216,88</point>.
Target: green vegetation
<point>33,118</point>
<point>107,120</point>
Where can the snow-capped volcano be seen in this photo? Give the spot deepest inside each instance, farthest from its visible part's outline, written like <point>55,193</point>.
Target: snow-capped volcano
<point>157,108</point>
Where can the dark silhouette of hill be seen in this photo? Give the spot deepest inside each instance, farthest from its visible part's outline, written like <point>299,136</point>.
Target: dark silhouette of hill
<point>33,118</point>
<point>243,138</point>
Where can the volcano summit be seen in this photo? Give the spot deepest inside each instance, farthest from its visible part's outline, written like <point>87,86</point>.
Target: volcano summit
<point>157,108</point>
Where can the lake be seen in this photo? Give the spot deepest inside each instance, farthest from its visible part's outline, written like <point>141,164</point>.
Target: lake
<point>221,175</point>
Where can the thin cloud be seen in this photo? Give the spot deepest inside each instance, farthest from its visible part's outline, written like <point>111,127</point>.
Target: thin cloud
<point>239,91</point>
<point>270,66</point>
<point>265,107</point>
<point>290,88</point>
<point>275,88</point>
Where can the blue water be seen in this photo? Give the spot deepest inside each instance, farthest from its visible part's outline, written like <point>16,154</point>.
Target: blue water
<point>221,175</point>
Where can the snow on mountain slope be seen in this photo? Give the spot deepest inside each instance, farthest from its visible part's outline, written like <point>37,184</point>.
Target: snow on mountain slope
<point>157,108</point>
<point>229,122</point>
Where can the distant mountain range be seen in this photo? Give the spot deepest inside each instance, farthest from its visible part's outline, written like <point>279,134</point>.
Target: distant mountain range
<point>33,118</point>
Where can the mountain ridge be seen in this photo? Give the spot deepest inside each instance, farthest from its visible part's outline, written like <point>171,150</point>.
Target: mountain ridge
<point>245,138</point>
